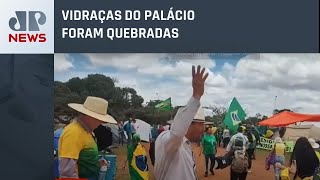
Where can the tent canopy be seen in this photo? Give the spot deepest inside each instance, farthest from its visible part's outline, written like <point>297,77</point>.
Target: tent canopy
<point>286,118</point>
<point>143,129</point>
<point>293,132</point>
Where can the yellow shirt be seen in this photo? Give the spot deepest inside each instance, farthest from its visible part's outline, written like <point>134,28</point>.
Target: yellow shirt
<point>280,149</point>
<point>77,143</point>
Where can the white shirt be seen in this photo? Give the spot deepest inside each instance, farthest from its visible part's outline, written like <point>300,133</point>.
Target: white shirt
<point>226,133</point>
<point>174,156</point>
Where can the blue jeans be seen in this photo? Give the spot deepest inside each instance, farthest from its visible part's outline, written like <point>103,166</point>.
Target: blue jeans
<point>279,159</point>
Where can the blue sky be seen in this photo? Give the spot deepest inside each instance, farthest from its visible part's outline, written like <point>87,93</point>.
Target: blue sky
<point>255,79</point>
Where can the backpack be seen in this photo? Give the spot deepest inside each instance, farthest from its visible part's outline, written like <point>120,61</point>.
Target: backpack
<point>238,142</point>
<point>239,162</point>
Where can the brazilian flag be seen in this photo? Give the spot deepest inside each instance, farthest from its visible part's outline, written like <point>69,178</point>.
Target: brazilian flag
<point>164,105</point>
<point>235,115</point>
<point>138,167</point>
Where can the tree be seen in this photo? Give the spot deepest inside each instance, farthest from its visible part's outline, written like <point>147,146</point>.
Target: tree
<point>77,89</point>
<point>76,84</point>
<point>219,112</point>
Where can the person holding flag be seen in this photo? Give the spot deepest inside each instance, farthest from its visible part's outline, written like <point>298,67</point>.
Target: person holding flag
<point>137,160</point>
<point>235,115</point>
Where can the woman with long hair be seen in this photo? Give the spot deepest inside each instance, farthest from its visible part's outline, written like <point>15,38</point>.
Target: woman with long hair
<point>303,161</point>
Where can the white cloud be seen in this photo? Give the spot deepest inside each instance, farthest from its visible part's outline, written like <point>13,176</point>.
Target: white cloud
<point>62,62</point>
<point>255,80</point>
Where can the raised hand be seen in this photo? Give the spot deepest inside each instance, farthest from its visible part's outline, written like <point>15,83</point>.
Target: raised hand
<point>198,79</point>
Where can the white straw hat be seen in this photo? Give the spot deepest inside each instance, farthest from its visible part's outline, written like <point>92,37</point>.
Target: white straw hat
<point>94,107</point>
<point>199,117</point>
<point>313,143</point>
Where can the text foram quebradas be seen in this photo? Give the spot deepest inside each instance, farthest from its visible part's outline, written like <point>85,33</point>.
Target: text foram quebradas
<point>124,32</point>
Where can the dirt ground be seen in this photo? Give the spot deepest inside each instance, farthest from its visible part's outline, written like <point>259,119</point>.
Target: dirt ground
<point>258,170</point>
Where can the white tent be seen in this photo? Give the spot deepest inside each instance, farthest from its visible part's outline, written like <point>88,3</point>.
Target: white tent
<point>143,129</point>
<point>310,123</point>
<point>293,132</point>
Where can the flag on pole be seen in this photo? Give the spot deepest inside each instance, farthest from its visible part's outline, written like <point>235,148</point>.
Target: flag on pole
<point>164,105</point>
<point>234,116</point>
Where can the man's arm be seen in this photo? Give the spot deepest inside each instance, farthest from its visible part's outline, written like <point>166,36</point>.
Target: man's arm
<point>179,128</point>
<point>185,115</point>
<point>68,168</point>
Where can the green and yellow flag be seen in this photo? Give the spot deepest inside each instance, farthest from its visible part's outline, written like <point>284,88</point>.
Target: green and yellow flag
<point>234,116</point>
<point>164,105</point>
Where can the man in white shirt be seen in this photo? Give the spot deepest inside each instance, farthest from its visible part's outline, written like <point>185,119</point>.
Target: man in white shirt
<point>226,137</point>
<point>174,156</point>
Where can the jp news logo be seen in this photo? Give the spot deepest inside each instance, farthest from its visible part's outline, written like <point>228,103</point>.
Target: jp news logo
<point>28,22</point>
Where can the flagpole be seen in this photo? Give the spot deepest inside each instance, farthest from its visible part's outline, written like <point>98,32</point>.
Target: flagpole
<point>274,104</point>
<point>158,117</point>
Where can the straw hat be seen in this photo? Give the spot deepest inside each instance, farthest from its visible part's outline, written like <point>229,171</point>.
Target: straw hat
<point>313,143</point>
<point>214,129</point>
<point>94,107</point>
<point>208,123</point>
<point>199,117</point>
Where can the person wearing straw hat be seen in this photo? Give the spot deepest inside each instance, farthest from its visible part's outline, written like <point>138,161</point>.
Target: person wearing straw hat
<point>174,156</point>
<point>78,151</point>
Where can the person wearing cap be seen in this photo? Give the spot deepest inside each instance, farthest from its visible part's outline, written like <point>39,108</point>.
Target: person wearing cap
<point>238,142</point>
<point>78,151</point>
<point>173,152</point>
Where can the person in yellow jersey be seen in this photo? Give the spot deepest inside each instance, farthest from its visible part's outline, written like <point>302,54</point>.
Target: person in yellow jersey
<point>279,150</point>
<point>78,151</point>
<point>303,162</point>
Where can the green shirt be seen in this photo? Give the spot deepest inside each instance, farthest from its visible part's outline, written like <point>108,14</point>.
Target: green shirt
<point>209,144</point>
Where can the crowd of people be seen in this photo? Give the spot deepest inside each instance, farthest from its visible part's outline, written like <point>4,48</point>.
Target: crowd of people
<point>170,150</point>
